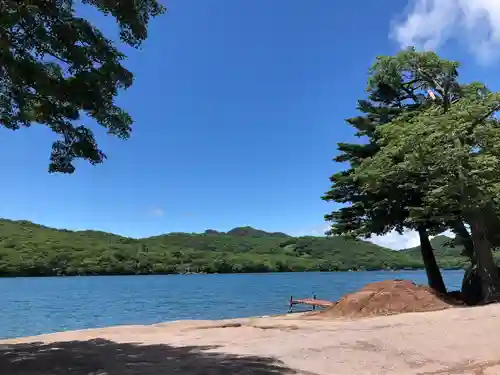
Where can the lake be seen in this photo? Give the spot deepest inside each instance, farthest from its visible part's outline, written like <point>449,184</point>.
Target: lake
<point>31,306</point>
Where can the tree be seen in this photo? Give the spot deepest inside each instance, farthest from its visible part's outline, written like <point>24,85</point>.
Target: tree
<point>56,67</point>
<point>397,85</point>
<point>452,157</point>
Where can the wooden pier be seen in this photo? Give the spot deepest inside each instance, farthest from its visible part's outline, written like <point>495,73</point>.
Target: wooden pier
<point>314,302</point>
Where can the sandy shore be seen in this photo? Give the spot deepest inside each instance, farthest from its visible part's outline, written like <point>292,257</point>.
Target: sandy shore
<point>455,341</point>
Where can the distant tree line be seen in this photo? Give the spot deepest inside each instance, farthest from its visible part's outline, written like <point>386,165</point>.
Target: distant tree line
<point>28,249</point>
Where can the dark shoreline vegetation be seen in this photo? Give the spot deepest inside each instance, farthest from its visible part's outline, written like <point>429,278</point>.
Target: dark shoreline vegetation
<point>28,249</point>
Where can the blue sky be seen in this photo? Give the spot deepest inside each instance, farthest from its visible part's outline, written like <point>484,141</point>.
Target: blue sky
<point>238,106</point>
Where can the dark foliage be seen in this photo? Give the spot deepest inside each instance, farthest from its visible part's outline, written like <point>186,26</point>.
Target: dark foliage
<point>56,67</point>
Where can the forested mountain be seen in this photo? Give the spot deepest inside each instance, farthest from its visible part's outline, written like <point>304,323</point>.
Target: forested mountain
<point>443,247</point>
<point>31,249</point>
<point>446,252</point>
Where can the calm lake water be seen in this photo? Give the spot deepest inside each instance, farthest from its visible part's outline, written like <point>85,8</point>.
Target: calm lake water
<point>31,306</point>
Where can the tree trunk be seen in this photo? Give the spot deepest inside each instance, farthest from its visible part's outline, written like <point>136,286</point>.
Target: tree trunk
<point>460,230</point>
<point>431,267</point>
<point>486,264</point>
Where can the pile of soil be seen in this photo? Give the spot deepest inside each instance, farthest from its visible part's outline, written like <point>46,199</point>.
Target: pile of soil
<point>388,298</point>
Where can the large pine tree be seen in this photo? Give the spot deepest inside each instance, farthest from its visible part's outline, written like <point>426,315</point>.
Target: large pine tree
<point>398,85</point>
<point>451,157</point>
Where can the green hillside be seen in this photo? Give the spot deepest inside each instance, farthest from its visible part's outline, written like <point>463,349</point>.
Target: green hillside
<point>443,247</point>
<point>446,252</point>
<point>31,249</point>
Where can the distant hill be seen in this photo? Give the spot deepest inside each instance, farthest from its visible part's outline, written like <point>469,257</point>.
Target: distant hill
<point>443,247</point>
<point>28,249</point>
<point>246,232</point>
<point>252,232</point>
<point>447,253</point>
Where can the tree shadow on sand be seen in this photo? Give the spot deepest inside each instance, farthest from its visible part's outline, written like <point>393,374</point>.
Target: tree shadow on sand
<point>103,357</point>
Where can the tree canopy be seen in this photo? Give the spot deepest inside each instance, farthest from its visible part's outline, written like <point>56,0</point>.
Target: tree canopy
<point>453,160</point>
<point>430,162</point>
<point>397,86</point>
<point>56,66</point>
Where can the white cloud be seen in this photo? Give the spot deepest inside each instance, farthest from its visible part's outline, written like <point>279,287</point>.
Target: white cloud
<point>428,24</point>
<point>158,212</point>
<point>394,240</point>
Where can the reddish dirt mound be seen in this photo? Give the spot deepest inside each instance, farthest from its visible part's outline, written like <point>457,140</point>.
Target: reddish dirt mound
<point>388,298</point>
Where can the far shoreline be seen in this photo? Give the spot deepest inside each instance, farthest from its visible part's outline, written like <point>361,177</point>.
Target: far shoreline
<point>220,273</point>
